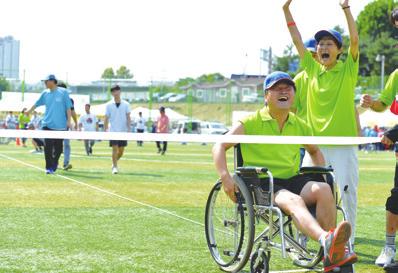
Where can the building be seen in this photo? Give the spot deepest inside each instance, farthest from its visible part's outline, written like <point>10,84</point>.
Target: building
<point>240,88</point>
<point>9,57</point>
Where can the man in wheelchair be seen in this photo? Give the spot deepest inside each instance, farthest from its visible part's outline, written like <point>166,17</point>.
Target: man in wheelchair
<point>293,192</point>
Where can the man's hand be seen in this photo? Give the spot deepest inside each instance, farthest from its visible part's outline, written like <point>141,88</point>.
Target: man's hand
<point>366,101</point>
<point>344,3</point>
<point>287,4</point>
<point>385,140</point>
<point>229,187</point>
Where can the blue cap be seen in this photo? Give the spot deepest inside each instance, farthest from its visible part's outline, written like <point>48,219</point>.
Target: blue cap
<point>310,44</point>
<point>50,77</point>
<point>276,77</point>
<point>331,32</point>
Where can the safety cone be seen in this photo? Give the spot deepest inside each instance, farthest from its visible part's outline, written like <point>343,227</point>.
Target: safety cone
<point>17,140</point>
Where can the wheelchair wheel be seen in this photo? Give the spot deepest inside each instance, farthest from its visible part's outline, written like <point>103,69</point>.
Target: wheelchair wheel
<point>259,264</point>
<point>230,227</point>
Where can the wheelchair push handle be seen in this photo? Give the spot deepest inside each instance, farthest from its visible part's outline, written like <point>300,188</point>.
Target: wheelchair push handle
<point>258,170</point>
<point>316,169</point>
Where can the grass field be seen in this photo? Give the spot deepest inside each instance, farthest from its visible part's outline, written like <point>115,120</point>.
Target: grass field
<point>87,220</point>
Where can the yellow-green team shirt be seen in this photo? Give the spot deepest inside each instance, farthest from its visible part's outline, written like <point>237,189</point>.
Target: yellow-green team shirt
<point>282,160</point>
<point>330,98</point>
<point>387,96</point>
<point>300,98</point>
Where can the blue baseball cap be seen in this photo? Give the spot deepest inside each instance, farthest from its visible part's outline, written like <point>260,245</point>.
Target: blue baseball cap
<point>276,77</point>
<point>331,32</point>
<point>310,44</point>
<point>50,77</point>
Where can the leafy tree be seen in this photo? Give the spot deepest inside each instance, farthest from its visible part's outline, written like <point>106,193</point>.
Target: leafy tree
<point>123,73</point>
<point>108,73</point>
<point>210,78</point>
<point>4,84</point>
<point>184,82</point>
<point>288,62</point>
<point>377,36</point>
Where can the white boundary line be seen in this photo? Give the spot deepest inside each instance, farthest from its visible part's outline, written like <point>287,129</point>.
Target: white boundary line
<point>189,137</point>
<point>107,192</point>
<point>132,200</point>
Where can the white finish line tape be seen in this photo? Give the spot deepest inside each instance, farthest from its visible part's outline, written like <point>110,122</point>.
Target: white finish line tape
<point>190,137</point>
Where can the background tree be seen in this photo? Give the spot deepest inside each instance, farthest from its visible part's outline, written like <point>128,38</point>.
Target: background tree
<point>108,73</point>
<point>377,36</point>
<point>4,84</point>
<point>210,78</point>
<point>288,62</point>
<point>123,73</point>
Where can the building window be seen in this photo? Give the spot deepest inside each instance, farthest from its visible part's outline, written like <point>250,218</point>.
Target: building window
<point>222,92</point>
<point>246,91</point>
<point>199,93</point>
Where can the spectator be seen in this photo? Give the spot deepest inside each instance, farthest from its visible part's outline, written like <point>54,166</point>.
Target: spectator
<point>140,127</point>
<point>11,121</point>
<point>162,128</point>
<point>23,121</point>
<point>88,123</point>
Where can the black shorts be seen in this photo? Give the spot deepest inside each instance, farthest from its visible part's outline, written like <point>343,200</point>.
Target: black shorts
<point>293,184</point>
<point>119,143</point>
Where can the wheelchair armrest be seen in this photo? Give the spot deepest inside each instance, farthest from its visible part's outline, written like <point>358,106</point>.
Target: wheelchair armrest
<point>252,170</point>
<point>316,169</point>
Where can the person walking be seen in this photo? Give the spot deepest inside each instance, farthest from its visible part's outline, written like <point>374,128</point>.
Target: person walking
<point>117,115</point>
<point>88,123</point>
<point>141,124</point>
<point>162,128</point>
<point>57,117</point>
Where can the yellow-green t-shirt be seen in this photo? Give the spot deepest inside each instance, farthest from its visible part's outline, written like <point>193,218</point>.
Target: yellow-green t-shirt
<point>282,160</point>
<point>23,120</point>
<point>300,98</point>
<point>387,96</point>
<point>331,108</point>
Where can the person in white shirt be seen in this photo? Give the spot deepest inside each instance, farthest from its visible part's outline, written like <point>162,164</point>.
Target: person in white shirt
<point>118,115</point>
<point>35,120</point>
<point>140,121</point>
<point>11,121</point>
<point>88,123</point>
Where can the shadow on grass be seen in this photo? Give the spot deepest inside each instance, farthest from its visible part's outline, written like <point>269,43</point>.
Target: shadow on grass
<point>366,258</point>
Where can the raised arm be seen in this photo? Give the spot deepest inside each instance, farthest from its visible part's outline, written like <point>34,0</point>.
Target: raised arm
<point>220,161</point>
<point>352,28</point>
<point>294,32</point>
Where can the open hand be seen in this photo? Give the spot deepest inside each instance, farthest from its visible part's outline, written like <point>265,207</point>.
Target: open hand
<point>229,187</point>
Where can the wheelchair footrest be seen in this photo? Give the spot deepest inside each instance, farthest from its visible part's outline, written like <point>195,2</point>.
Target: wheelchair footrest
<point>392,268</point>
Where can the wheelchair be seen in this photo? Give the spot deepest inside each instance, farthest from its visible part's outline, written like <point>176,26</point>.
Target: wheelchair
<point>230,227</point>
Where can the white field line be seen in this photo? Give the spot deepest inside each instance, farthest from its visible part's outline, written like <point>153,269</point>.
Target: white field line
<point>108,192</point>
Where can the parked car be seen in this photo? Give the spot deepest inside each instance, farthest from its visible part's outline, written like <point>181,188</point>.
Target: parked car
<point>188,127</point>
<point>177,98</point>
<point>250,98</point>
<point>166,97</point>
<point>213,128</point>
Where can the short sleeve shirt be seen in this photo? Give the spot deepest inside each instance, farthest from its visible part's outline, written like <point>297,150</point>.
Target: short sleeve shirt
<point>88,122</point>
<point>163,124</point>
<point>330,100</point>
<point>282,160</point>
<point>300,98</point>
<point>57,102</point>
<point>389,93</point>
<point>117,115</point>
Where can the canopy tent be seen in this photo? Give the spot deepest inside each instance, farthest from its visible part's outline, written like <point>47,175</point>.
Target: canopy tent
<point>12,101</point>
<point>384,119</point>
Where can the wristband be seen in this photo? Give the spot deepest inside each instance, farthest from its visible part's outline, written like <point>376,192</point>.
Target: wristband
<point>290,24</point>
<point>347,7</point>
